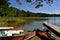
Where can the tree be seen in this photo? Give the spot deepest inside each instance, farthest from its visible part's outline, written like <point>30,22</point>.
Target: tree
<point>37,2</point>
<point>3,7</point>
<point>4,3</point>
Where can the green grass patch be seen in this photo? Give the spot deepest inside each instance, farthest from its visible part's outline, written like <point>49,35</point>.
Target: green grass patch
<point>16,21</point>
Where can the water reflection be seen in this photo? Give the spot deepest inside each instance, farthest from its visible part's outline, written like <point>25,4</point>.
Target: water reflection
<point>38,24</point>
<point>31,26</point>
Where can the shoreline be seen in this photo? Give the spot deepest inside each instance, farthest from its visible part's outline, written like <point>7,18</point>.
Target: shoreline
<point>17,21</point>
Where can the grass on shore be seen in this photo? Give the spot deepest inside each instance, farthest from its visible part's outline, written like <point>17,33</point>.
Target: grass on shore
<point>16,21</point>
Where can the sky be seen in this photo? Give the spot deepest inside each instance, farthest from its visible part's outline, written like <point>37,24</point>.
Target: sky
<point>53,9</point>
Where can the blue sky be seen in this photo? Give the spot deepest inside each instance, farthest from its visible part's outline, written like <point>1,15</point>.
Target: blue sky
<point>53,9</point>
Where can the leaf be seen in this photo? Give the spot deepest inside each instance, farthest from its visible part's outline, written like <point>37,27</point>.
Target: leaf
<point>18,1</point>
<point>29,1</point>
<point>39,5</point>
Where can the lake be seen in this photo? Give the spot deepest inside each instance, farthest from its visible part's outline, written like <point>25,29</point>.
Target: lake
<point>39,24</point>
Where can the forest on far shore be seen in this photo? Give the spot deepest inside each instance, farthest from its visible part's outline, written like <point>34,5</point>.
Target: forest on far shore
<point>6,11</point>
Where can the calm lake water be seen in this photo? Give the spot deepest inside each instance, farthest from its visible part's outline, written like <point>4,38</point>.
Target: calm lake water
<point>39,24</point>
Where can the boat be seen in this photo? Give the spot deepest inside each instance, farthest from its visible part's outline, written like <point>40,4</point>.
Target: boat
<point>10,33</point>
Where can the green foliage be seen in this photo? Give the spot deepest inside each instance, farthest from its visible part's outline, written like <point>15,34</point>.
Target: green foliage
<point>10,16</point>
<point>6,11</point>
<point>3,7</point>
<point>13,12</point>
<point>3,3</point>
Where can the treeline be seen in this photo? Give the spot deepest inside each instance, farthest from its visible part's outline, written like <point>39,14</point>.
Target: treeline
<point>6,11</point>
<point>13,12</point>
